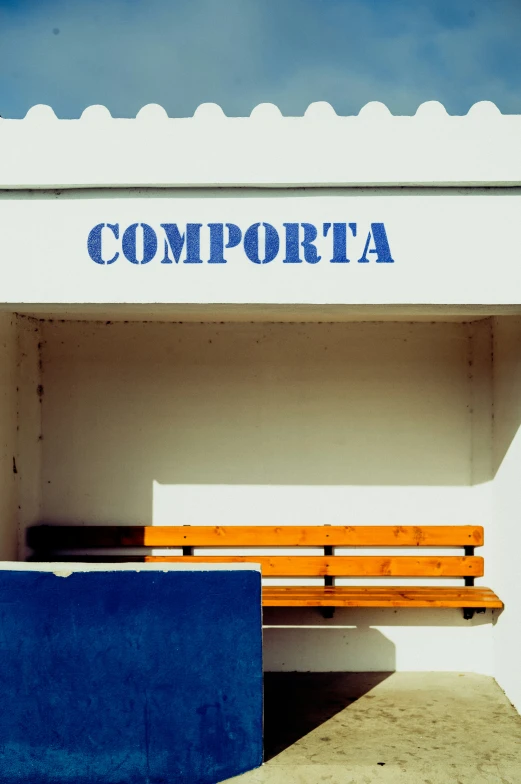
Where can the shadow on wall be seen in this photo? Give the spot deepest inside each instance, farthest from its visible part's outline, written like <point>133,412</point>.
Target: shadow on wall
<point>507,383</point>
<point>347,405</point>
<point>295,703</point>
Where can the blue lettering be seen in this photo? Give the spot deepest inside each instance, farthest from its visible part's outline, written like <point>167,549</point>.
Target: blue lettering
<point>175,242</point>
<point>193,243</point>
<point>251,243</point>
<point>292,248</point>
<point>94,242</point>
<point>139,243</point>
<point>310,251</point>
<point>292,243</point>
<point>340,241</point>
<point>129,243</point>
<point>217,241</point>
<point>381,245</point>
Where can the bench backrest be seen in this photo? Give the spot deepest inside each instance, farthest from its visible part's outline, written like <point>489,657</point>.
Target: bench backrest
<point>53,542</point>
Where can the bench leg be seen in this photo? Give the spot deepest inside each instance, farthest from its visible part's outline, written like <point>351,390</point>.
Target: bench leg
<point>327,612</point>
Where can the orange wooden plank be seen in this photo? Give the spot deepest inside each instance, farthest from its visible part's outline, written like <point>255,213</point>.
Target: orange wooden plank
<point>68,537</point>
<point>315,536</point>
<point>394,596</point>
<point>345,566</point>
<point>378,589</point>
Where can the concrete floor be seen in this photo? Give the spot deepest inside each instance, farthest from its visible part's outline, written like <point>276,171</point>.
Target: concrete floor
<point>399,728</point>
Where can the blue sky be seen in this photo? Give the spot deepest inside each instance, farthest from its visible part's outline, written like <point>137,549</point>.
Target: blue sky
<point>238,53</point>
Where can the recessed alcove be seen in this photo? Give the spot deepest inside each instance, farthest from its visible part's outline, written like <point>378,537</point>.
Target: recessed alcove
<point>275,415</point>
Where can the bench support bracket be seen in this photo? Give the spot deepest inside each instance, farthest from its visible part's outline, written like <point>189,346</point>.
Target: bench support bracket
<point>328,612</point>
<point>468,612</point>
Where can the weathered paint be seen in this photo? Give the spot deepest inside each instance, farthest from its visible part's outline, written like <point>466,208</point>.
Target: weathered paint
<point>129,677</point>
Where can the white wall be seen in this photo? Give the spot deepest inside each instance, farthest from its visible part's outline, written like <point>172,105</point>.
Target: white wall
<point>506,529</point>
<point>8,421</point>
<point>438,256</point>
<point>289,423</point>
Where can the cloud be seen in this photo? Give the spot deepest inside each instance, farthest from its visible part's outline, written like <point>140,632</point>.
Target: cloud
<point>127,53</point>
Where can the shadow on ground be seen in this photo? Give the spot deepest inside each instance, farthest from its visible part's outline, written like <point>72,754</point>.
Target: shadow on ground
<point>296,703</point>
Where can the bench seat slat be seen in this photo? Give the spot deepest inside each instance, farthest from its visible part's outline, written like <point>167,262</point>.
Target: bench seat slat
<point>375,596</point>
<point>345,566</point>
<point>67,537</point>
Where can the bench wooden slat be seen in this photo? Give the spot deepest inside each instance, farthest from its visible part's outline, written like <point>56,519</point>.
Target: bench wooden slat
<point>53,542</point>
<point>345,566</point>
<point>67,537</point>
<point>378,589</point>
<point>374,596</point>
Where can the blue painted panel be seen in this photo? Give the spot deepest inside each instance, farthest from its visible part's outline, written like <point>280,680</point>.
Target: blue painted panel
<point>129,677</point>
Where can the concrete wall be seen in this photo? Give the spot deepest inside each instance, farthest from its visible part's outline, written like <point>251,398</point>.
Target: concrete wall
<point>506,529</point>
<point>100,684</point>
<point>29,427</point>
<point>355,423</point>
<point>382,411</point>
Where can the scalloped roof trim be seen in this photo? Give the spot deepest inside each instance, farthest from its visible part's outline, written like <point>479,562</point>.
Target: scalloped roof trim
<point>319,149</point>
<point>265,111</point>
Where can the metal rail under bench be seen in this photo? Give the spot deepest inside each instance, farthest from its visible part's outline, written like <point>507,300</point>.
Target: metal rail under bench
<point>63,543</point>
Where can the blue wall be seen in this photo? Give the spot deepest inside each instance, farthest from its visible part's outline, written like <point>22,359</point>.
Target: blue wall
<point>127,677</point>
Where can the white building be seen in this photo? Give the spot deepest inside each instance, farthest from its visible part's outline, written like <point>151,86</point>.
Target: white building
<point>159,366</point>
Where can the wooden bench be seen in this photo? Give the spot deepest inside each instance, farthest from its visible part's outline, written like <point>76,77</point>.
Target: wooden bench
<point>55,543</point>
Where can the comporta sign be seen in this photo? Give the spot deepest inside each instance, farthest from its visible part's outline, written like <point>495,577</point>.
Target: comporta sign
<point>261,243</point>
